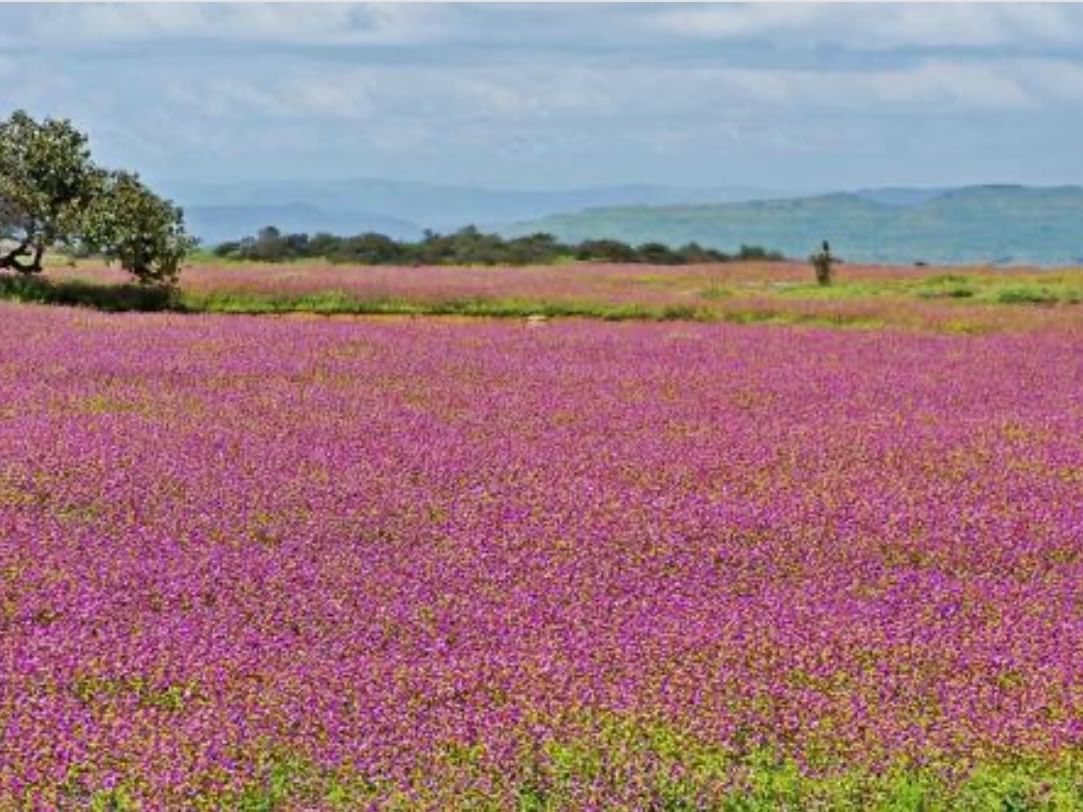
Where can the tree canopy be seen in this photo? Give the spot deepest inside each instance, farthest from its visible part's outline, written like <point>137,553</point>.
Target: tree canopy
<point>53,195</point>
<point>469,246</point>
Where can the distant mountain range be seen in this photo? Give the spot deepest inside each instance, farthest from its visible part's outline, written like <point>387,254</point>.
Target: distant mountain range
<point>215,224</point>
<point>978,224</point>
<point>216,212</point>
<point>995,224</point>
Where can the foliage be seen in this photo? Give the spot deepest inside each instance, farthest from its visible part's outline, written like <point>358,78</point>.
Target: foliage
<point>468,246</point>
<point>53,195</point>
<point>144,233</point>
<point>46,180</point>
<point>1027,294</point>
<point>77,293</point>
<point>606,250</point>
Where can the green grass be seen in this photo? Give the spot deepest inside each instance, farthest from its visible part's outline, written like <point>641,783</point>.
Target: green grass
<point>77,293</point>
<point>670,770</point>
<point>986,288</point>
<point>1032,294</point>
<point>340,303</point>
<point>861,289</point>
<point>677,771</point>
<point>650,764</point>
<point>715,292</point>
<point>118,298</point>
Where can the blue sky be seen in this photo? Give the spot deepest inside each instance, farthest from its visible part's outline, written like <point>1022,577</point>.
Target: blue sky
<point>781,96</point>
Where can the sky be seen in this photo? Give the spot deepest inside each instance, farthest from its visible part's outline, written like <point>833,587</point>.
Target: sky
<point>555,96</point>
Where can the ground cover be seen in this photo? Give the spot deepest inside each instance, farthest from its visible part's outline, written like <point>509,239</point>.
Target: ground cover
<point>313,563</point>
<point>959,300</point>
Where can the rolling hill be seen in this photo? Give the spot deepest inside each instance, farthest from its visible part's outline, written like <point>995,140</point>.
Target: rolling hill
<point>986,224</point>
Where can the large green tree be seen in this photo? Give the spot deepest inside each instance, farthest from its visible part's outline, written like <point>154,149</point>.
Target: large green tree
<point>52,195</point>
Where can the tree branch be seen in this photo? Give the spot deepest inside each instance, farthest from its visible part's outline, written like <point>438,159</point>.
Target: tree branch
<point>11,258</point>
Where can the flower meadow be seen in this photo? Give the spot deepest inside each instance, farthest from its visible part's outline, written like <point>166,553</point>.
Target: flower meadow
<point>946,299</point>
<point>260,563</point>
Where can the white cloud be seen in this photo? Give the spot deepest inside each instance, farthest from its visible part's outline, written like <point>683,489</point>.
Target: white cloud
<point>880,26</point>
<point>413,100</point>
<point>644,92</point>
<point>95,26</point>
<point>1057,80</point>
<point>929,86</point>
<point>173,85</point>
<point>851,27</point>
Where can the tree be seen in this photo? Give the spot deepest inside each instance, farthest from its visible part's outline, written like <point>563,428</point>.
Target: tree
<point>537,248</point>
<point>225,250</point>
<point>128,223</point>
<point>369,249</point>
<point>605,250</point>
<point>758,252</point>
<point>657,253</point>
<point>323,244</point>
<point>46,180</point>
<point>693,252</point>
<point>268,246</point>
<point>53,195</point>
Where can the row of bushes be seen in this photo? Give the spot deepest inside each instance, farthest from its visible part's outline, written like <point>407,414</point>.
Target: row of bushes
<point>468,246</point>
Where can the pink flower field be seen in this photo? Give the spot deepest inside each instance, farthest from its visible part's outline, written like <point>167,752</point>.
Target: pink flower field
<point>927,299</point>
<point>262,563</point>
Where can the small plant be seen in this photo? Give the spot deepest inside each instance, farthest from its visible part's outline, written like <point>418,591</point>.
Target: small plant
<point>823,263</point>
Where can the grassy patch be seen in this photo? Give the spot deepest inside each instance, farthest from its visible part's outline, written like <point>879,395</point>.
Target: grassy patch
<point>715,292</point>
<point>341,303</point>
<point>1027,294</point>
<point>674,771</point>
<point>863,289</point>
<point>833,320</point>
<point>634,763</point>
<point>947,291</point>
<point>286,783</point>
<point>984,287</point>
<point>77,293</point>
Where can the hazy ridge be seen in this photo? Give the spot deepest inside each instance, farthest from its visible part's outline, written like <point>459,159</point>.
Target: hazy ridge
<point>225,211</point>
<point>994,224</point>
<point>986,224</point>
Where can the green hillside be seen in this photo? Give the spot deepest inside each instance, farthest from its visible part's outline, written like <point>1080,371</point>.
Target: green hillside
<point>996,224</point>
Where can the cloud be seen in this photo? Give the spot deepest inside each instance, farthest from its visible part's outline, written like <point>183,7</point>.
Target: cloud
<point>658,30</point>
<point>638,93</point>
<point>929,86</point>
<point>96,26</point>
<point>558,110</point>
<point>395,108</point>
<point>880,26</point>
<point>275,86</point>
<point>1057,80</point>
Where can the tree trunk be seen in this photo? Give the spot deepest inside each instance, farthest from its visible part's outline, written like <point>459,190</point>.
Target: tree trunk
<point>11,258</point>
